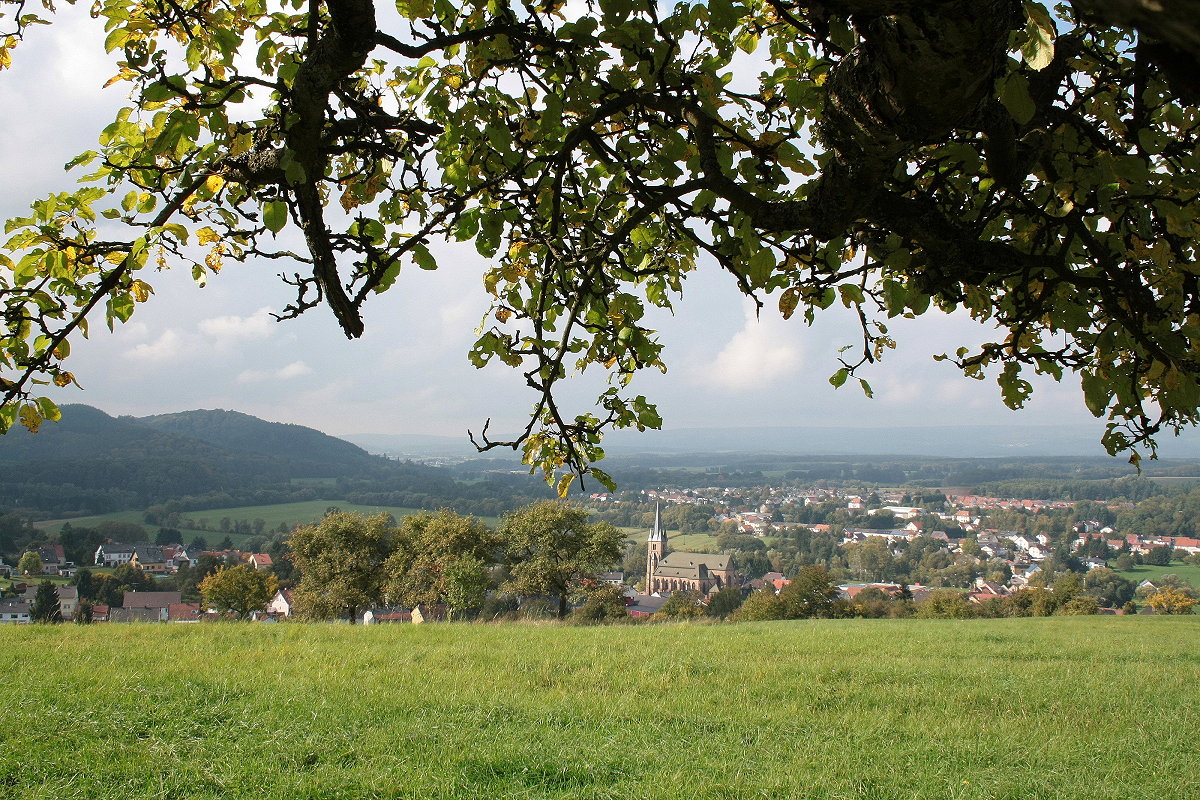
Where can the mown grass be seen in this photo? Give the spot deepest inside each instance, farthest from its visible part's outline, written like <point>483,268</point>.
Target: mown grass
<point>1053,708</point>
<point>290,514</point>
<point>1142,572</point>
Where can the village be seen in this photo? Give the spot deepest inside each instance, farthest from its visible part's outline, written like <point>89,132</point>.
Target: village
<point>743,540</point>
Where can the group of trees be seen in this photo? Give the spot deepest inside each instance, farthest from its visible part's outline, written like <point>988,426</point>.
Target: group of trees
<point>350,562</point>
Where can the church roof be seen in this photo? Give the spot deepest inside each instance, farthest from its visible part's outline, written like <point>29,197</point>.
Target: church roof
<point>690,565</point>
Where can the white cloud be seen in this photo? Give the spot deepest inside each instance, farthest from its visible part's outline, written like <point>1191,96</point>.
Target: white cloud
<point>164,348</point>
<point>231,330</point>
<point>761,353</point>
<point>296,369</point>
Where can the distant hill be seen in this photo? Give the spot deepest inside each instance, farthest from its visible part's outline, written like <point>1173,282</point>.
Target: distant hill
<point>310,452</point>
<point>91,462</point>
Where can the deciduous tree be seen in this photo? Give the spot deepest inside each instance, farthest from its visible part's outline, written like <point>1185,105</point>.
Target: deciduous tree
<point>440,557</point>
<point>760,606</point>
<point>1033,166</point>
<point>1171,601</point>
<point>810,594</point>
<point>681,605</point>
<point>604,603</point>
<point>551,548</point>
<point>239,590</point>
<point>30,563</point>
<point>341,562</point>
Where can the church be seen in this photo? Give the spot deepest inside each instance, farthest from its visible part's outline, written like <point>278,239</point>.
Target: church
<point>684,572</point>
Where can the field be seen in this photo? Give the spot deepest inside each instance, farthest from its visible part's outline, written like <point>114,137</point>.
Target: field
<point>1056,708</point>
<point>1188,572</point>
<point>284,513</point>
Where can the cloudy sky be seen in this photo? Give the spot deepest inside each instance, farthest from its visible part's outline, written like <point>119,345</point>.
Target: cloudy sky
<point>218,347</point>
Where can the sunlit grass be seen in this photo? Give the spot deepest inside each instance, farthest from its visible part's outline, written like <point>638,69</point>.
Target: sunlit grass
<point>1046,708</point>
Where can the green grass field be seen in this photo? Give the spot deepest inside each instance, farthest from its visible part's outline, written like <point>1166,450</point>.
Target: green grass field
<point>286,513</point>
<point>1091,708</point>
<point>1188,572</point>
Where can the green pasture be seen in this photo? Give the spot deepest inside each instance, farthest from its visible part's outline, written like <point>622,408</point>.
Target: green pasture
<point>1142,572</point>
<point>289,514</point>
<point>1094,708</point>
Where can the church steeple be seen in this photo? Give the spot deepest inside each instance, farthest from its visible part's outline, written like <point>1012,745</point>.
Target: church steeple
<point>656,548</point>
<point>657,533</point>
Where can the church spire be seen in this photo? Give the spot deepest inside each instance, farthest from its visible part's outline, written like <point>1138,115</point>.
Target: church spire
<point>656,548</point>
<point>657,534</point>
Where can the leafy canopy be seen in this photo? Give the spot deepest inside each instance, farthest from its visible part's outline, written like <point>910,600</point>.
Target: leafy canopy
<point>1034,167</point>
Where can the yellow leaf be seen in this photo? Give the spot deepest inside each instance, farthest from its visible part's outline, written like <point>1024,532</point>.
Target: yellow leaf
<point>214,183</point>
<point>788,302</point>
<point>30,418</point>
<point>141,291</point>
<point>64,379</point>
<point>206,235</point>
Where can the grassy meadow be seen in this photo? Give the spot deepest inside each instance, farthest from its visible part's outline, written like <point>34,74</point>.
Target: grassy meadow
<point>1079,707</point>
<point>1142,572</point>
<point>290,514</point>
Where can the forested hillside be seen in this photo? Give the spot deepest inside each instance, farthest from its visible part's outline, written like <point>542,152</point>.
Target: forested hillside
<point>93,463</point>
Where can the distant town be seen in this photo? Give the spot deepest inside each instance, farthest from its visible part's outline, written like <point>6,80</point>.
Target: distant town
<point>879,552</point>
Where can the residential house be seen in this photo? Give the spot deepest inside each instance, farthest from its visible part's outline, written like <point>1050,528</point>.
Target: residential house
<point>387,616</point>
<point>136,615</point>
<point>177,557</point>
<point>68,598</point>
<point>423,613</point>
<point>645,605</point>
<point>149,559</point>
<point>281,604</point>
<point>114,554</point>
<point>156,606</point>
<point>260,561</point>
<point>54,561</point>
<point>14,611</point>
<point>184,612</point>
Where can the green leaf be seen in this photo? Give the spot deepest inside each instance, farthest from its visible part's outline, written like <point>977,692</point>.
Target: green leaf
<point>48,409</point>
<point>275,215</point>
<point>414,9</point>
<point>838,378</point>
<point>1013,91</point>
<point>423,258</point>
<point>1038,50</point>
<point>1096,393</point>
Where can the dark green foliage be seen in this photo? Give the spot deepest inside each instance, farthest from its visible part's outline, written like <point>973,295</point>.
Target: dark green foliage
<point>681,605</point>
<point>603,604</point>
<point>762,605</point>
<point>810,594</point>
<point>1158,556</point>
<point>84,582</point>
<point>725,602</point>
<point>946,604</point>
<point>46,607</point>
